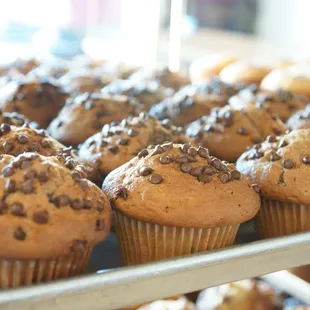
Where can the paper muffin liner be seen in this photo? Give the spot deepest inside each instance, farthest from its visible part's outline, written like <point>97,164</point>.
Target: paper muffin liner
<point>142,242</point>
<point>277,218</point>
<point>15,273</point>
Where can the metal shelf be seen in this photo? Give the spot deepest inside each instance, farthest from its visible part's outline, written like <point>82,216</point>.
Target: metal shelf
<point>132,285</point>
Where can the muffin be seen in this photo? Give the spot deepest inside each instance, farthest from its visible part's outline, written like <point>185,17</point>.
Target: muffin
<point>19,66</point>
<point>151,194</point>
<point>245,73</point>
<point>227,132</point>
<point>300,120</point>
<point>281,169</point>
<point>193,101</point>
<point>282,103</point>
<point>241,295</point>
<point>38,100</point>
<point>41,200</point>
<point>117,144</point>
<point>207,67</point>
<point>91,112</point>
<point>295,79</point>
<point>147,93</point>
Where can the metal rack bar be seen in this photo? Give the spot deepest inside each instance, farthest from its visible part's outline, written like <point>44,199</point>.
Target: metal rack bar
<point>133,285</point>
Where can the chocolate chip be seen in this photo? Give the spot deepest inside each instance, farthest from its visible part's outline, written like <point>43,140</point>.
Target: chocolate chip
<point>69,163</point>
<point>186,167</point>
<point>144,171</point>
<point>40,217</point>
<point>25,164</point>
<point>5,128</point>
<point>282,143</point>
<point>113,149</point>
<point>204,178</point>
<point>202,152</point>
<point>27,187</point>
<point>41,133</point>
<point>158,150</point>
<point>35,147</point>
<point>229,119</point>
<point>271,139</point>
<point>184,148</point>
<point>224,177</point>
<point>132,132</point>
<point>235,175</point>
<point>197,171</point>
<point>7,147</point>
<point>306,160</point>
<point>167,146</point>
<point>61,200</point>
<point>256,140</point>
<point>166,123</point>
<point>30,175</point>
<point>77,204</point>
<point>83,184</point>
<point>22,139</point>
<point>100,205</point>
<point>43,176</point>
<point>18,209</point>
<point>288,164</point>
<point>122,193</point>
<point>123,141</point>
<point>192,151</point>
<point>143,153</point>
<point>216,163</point>
<point>181,159</point>
<point>156,178</point>
<point>256,188</point>
<point>8,171</point>
<point>277,131</point>
<point>165,159</point>
<point>274,156</point>
<point>45,144</point>
<point>19,234</point>
<point>3,207</point>
<point>242,131</point>
<point>10,186</point>
<point>88,203</point>
<point>209,128</point>
<point>209,170</point>
<point>100,225</point>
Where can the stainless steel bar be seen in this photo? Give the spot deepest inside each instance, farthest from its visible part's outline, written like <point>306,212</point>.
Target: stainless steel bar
<point>129,286</point>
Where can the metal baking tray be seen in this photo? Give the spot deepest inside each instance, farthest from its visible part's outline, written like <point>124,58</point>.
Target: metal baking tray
<point>120,287</point>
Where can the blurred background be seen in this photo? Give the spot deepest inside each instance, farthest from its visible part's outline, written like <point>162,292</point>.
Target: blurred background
<point>130,29</point>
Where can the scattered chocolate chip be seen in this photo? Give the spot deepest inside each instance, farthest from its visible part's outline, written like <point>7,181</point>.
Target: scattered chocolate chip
<point>62,200</point>
<point>45,143</point>
<point>122,193</point>
<point>235,175</point>
<point>43,176</point>
<point>224,177</point>
<point>165,159</point>
<point>256,140</point>
<point>156,178</point>
<point>40,217</point>
<point>35,147</point>
<point>18,209</point>
<point>274,156</point>
<point>288,163</point>
<point>100,225</point>
<point>123,141</point>
<point>41,133</point>
<point>3,207</point>
<point>282,143</point>
<point>88,203</point>
<point>77,204</point>
<point>100,205</point>
<point>167,146</point>
<point>25,164</point>
<point>277,131</point>
<point>186,167</point>
<point>22,139</point>
<point>271,139</point>
<point>204,178</point>
<point>306,160</point>
<point>27,187</point>
<point>208,170</point>
<point>7,147</point>
<point>5,128</point>
<point>158,150</point>
<point>184,148</point>
<point>242,131</point>
<point>192,151</point>
<point>30,175</point>
<point>19,234</point>
<point>166,123</point>
<point>132,132</point>
<point>69,163</point>
<point>144,171</point>
<point>197,171</point>
<point>216,163</point>
<point>203,152</point>
<point>113,149</point>
<point>143,153</point>
<point>83,184</point>
<point>256,188</point>
<point>8,171</point>
<point>10,186</point>
<point>181,159</point>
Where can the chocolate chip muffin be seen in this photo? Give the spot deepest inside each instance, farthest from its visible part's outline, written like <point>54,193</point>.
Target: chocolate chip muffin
<point>38,100</point>
<point>281,169</point>
<point>118,143</point>
<point>227,132</point>
<point>50,219</point>
<point>147,93</point>
<point>91,112</point>
<point>193,101</point>
<point>151,195</point>
<point>282,103</point>
<point>300,120</point>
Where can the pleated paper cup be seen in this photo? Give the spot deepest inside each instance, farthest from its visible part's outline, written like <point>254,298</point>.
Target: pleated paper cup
<point>142,242</point>
<point>277,218</point>
<point>15,273</point>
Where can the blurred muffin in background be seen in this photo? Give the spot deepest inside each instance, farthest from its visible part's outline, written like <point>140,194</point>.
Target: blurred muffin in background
<point>300,120</point>
<point>19,66</point>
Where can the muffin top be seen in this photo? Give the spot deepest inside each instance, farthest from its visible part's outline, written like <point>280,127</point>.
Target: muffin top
<point>300,120</point>
<point>241,295</point>
<point>41,200</point>
<point>245,73</point>
<point>118,143</point>
<point>280,166</point>
<point>90,112</point>
<point>235,128</point>
<point>39,100</point>
<point>147,93</point>
<point>193,101</point>
<point>169,183</point>
<point>282,103</point>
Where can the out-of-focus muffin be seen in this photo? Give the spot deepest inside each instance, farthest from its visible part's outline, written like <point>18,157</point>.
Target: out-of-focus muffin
<point>300,120</point>
<point>19,66</point>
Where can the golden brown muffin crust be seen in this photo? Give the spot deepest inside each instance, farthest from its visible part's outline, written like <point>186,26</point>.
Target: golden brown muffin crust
<point>300,120</point>
<point>168,185</point>
<point>280,167</point>
<point>46,210</point>
<point>86,114</point>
